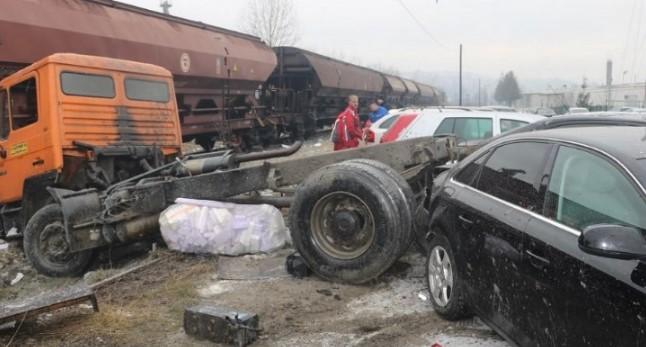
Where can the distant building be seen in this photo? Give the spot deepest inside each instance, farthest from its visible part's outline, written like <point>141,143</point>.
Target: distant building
<point>617,96</point>
<point>540,100</point>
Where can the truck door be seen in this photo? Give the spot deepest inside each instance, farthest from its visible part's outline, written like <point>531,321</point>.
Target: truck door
<point>5,127</point>
<point>22,139</point>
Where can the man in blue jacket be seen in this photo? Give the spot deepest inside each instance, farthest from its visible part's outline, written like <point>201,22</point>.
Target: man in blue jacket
<point>376,112</point>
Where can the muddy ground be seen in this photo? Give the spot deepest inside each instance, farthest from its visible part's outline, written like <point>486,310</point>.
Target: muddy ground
<point>145,308</point>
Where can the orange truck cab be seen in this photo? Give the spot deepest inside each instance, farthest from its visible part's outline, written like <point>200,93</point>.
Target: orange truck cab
<point>76,122</point>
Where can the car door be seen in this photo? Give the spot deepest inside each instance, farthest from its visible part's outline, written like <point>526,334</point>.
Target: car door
<point>585,299</point>
<point>491,218</point>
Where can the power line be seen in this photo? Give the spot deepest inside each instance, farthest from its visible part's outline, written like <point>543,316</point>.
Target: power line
<point>420,24</point>
<point>639,30</point>
<point>627,42</point>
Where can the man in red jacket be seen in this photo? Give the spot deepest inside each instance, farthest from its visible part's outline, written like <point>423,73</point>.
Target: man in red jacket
<point>347,130</point>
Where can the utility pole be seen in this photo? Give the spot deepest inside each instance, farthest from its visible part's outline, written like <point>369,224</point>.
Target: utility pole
<point>166,5</point>
<point>479,90</point>
<point>460,95</point>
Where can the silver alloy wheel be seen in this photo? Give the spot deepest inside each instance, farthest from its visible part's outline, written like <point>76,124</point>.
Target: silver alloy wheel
<point>440,276</point>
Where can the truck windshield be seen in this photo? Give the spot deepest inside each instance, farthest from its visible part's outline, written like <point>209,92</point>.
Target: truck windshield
<point>146,90</point>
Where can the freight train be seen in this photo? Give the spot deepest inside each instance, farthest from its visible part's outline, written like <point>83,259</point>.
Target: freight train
<point>229,86</point>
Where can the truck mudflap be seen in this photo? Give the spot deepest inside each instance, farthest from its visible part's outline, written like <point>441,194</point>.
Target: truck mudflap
<point>80,209</point>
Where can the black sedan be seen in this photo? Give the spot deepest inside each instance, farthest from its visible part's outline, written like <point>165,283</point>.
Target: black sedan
<point>541,234</point>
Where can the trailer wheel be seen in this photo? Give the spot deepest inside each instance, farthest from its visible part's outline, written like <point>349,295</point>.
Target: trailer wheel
<point>346,224</point>
<point>402,188</point>
<point>46,245</point>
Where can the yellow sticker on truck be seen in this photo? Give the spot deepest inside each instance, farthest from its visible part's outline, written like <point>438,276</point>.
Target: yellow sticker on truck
<point>19,149</point>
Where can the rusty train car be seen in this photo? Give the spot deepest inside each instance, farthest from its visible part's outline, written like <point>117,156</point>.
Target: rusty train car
<point>229,85</point>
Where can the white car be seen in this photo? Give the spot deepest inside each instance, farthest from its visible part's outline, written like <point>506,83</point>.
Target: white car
<point>575,110</point>
<point>468,127</point>
<point>379,128</point>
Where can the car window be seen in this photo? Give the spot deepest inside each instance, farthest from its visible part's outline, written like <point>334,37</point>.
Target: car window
<point>24,103</point>
<point>512,173</point>
<point>90,85</point>
<point>388,122</point>
<point>4,115</point>
<point>473,128</point>
<point>446,127</point>
<point>586,189</point>
<point>509,124</point>
<point>466,129</point>
<point>469,173</point>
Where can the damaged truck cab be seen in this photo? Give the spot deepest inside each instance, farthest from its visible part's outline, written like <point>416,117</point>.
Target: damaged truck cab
<point>77,122</point>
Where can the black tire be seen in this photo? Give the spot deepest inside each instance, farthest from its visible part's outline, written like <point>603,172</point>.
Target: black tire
<point>400,191</point>
<point>42,226</point>
<point>364,187</point>
<point>455,307</point>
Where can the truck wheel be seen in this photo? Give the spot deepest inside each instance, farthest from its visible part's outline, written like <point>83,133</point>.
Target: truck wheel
<point>46,246</point>
<point>346,224</point>
<point>402,187</point>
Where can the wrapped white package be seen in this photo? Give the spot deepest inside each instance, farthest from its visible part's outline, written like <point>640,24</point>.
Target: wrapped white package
<point>199,226</point>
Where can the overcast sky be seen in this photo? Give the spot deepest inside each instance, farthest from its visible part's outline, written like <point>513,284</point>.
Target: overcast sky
<point>536,39</point>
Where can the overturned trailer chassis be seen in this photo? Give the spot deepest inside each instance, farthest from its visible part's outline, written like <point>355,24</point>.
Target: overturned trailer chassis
<point>130,209</point>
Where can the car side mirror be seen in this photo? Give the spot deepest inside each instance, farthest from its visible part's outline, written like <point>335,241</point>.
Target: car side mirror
<point>613,241</point>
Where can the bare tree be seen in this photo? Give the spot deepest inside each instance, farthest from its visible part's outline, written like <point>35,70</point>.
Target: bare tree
<point>273,21</point>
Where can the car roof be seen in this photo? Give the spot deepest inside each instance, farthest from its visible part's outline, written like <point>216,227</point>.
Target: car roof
<point>528,117</point>
<point>625,143</point>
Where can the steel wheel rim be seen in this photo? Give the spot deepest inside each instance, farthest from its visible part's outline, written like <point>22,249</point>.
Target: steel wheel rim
<point>342,225</point>
<point>440,276</point>
<point>53,244</point>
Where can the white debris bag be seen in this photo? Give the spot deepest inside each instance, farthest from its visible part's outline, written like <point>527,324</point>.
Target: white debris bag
<point>199,226</point>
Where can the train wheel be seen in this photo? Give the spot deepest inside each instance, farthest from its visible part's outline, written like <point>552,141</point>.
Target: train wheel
<point>46,245</point>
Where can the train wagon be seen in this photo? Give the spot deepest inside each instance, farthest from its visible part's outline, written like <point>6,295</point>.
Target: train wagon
<point>229,86</point>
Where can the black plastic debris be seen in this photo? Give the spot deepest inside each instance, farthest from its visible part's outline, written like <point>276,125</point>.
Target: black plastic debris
<point>296,266</point>
<point>221,325</point>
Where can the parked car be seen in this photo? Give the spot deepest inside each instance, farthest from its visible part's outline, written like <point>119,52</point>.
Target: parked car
<point>469,127</point>
<point>633,109</point>
<point>499,108</point>
<point>575,110</point>
<point>379,128</point>
<point>541,234</point>
<point>544,111</point>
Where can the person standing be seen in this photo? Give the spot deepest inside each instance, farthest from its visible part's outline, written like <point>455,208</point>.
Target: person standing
<point>347,131</point>
<point>377,112</point>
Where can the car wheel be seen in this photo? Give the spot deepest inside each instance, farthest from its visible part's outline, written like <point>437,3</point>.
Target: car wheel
<point>346,222</point>
<point>445,285</point>
<point>46,246</point>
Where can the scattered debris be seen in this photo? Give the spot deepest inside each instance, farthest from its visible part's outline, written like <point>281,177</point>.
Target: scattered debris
<point>30,307</point>
<point>296,266</point>
<point>3,245</point>
<point>422,296</point>
<point>253,267</point>
<point>325,292</point>
<point>221,325</point>
<point>13,232</point>
<point>18,278</point>
<point>123,273</point>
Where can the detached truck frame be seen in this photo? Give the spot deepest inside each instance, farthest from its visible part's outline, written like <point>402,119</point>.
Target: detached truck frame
<point>90,155</point>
